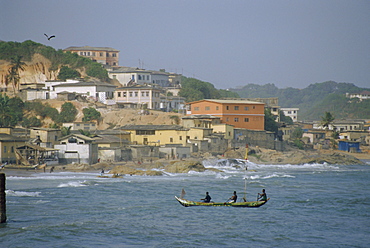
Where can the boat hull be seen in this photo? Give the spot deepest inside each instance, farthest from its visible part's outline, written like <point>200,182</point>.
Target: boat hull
<point>251,204</point>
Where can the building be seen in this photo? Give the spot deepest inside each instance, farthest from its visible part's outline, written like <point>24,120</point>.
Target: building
<point>86,126</point>
<point>48,136</point>
<point>77,148</point>
<point>291,112</point>
<point>128,76</point>
<point>95,90</point>
<point>238,113</point>
<point>157,135</point>
<point>102,55</point>
<point>138,96</point>
<point>8,145</point>
<point>314,136</point>
<point>363,95</point>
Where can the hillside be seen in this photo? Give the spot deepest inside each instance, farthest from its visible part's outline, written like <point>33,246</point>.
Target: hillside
<point>313,100</point>
<point>116,117</point>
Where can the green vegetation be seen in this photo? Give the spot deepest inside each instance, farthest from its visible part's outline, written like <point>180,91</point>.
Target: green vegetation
<point>91,114</point>
<point>270,123</point>
<point>10,111</point>
<point>313,100</point>
<point>195,90</point>
<point>327,120</point>
<point>68,73</point>
<point>68,113</point>
<point>58,58</point>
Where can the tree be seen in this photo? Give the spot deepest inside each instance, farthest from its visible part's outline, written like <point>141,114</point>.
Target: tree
<point>11,111</point>
<point>327,120</point>
<point>90,114</point>
<point>285,119</point>
<point>68,113</point>
<point>13,72</point>
<point>4,110</point>
<point>66,130</point>
<point>270,123</point>
<point>66,73</point>
<point>31,122</point>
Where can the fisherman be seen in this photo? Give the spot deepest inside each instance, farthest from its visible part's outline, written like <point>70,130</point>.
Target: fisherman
<point>262,196</point>
<point>233,198</point>
<point>207,198</point>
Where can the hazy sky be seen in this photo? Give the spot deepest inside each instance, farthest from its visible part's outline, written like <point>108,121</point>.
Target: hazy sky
<point>227,43</point>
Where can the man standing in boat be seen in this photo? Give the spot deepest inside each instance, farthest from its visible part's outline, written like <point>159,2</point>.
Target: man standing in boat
<point>262,196</point>
<point>207,198</point>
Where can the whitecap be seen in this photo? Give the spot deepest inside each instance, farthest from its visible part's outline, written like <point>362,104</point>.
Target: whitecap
<point>72,184</point>
<point>22,193</point>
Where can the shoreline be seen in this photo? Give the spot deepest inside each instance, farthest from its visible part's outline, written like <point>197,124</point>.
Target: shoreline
<point>258,156</point>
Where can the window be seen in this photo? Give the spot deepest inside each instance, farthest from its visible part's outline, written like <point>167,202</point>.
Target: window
<point>93,53</point>
<point>145,132</point>
<point>180,137</point>
<point>147,93</point>
<point>88,53</point>
<point>119,94</point>
<point>124,94</point>
<point>196,108</point>
<point>147,77</point>
<point>246,108</point>
<point>236,107</point>
<point>227,107</point>
<point>236,119</point>
<point>216,107</point>
<point>130,94</point>
<point>142,93</point>
<point>101,54</point>
<point>254,107</point>
<point>208,108</point>
<point>227,119</point>
<point>136,94</point>
<point>114,55</point>
<point>171,140</point>
<point>139,77</point>
<point>246,119</point>
<point>107,54</point>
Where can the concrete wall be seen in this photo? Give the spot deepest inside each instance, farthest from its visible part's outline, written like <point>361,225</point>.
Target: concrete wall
<point>255,138</point>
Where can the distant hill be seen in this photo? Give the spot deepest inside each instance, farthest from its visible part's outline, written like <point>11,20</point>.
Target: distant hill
<point>313,100</point>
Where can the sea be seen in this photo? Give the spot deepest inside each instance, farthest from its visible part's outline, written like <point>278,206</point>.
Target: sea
<point>312,205</point>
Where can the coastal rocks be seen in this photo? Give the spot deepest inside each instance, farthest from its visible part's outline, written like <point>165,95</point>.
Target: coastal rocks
<point>185,166</point>
<point>303,157</point>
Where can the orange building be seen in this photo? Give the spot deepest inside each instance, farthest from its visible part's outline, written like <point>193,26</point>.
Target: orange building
<point>239,113</point>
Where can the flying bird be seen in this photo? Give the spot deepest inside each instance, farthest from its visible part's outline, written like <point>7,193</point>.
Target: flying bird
<point>53,36</point>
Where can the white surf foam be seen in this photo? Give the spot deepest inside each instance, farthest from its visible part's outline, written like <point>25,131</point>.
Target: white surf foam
<point>22,193</point>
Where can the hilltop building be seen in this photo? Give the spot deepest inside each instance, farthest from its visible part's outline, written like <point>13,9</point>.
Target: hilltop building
<point>291,112</point>
<point>102,55</point>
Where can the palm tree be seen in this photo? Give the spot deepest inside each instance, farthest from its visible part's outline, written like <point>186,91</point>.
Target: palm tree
<point>13,77</point>
<point>327,120</point>
<point>13,73</point>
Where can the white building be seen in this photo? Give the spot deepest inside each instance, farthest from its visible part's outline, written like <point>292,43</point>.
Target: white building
<point>77,148</point>
<point>96,90</point>
<point>128,76</point>
<point>291,112</point>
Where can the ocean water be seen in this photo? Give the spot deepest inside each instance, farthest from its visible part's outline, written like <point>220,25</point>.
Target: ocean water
<point>310,206</point>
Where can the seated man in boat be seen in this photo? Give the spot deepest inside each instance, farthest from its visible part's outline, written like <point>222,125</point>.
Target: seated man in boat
<point>233,198</point>
<point>207,198</point>
<point>262,196</point>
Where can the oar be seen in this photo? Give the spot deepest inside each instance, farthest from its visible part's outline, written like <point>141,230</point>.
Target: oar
<point>257,196</point>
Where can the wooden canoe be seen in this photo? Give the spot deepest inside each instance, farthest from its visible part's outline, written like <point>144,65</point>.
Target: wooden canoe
<point>250,204</point>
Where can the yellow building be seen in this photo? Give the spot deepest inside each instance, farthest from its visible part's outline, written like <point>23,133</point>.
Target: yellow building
<point>157,135</point>
<point>8,145</point>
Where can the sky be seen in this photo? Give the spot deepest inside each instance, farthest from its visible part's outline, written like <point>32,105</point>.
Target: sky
<point>229,43</point>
